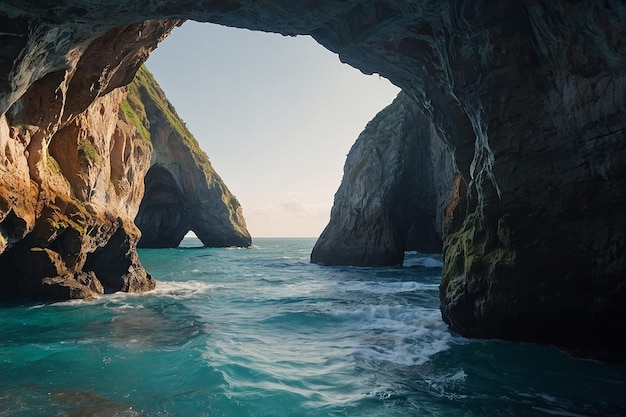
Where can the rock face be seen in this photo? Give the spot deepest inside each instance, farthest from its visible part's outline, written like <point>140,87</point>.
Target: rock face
<point>72,184</point>
<point>68,184</point>
<point>528,94</point>
<point>182,190</point>
<point>397,180</point>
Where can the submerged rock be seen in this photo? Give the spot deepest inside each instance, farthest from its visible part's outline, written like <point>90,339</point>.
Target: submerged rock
<point>397,180</point>
<point>529,95</point>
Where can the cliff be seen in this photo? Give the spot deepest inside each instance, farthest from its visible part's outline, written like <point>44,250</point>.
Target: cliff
<point>182,190</point>
<point>71,188</point>
<point>397,180</point>
<point>70,182</point>
<point>528,94</point>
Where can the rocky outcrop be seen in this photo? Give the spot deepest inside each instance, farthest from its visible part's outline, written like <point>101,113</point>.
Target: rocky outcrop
<point>182,190</point>
<point>528,94</point>
<point>72,184</point>
<point>535,247</point>
<point>397,180</point>
<point>69,169</point>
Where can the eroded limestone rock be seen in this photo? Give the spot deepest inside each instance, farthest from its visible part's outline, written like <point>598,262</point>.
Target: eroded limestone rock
<point>74,160</point>
<point>67,226</point>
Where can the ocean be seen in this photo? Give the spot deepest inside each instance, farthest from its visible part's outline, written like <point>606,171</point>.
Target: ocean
<point>262,332</point>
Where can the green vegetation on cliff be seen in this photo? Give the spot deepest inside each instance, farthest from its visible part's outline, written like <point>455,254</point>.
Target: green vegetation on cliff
<point>52,164</point>
<point>145,80</point>
<point>136,112</point>
<point>88,150</point>
<point>145,91</point>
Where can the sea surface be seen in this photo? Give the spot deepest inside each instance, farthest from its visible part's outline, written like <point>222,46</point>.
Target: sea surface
<point>262,332</point>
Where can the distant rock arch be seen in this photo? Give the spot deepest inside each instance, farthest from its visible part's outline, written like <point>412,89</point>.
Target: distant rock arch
<point>182,190</point>
<point>163,217</point>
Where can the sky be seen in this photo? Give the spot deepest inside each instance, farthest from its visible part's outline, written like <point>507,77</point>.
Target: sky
<point>276,115</point>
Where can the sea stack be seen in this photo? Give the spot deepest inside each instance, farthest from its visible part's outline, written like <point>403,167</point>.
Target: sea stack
<point>182,190</point>
<point>397,181</point>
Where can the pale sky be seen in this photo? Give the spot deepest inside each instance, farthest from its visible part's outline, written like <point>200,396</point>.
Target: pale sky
<point>276,115</point>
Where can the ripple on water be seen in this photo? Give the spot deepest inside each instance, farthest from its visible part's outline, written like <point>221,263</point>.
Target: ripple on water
<point>265,333</point>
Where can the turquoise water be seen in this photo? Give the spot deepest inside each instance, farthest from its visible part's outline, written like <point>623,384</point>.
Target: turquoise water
<point>261,332</point>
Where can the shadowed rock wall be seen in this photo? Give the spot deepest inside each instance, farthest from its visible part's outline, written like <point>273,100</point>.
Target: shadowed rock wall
<point>397,180</point>
<point>528,94</point>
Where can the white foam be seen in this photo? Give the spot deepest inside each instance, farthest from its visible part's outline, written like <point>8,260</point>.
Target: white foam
<point>442,384</point>
<point>182,289</point>
<point>403,335</point>
<point>381,287</point>
<point>176,289</point>
<point>74,302</point>
<point>419,259</point>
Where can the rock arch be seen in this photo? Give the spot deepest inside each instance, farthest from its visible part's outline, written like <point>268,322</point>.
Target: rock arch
<point>182,190</point>
<point>528,94</point>
<point>163,217</point>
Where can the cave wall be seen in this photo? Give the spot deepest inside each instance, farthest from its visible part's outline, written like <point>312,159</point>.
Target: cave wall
<point>86,177</point>
<point>529,95</point>
<point>68,189</point>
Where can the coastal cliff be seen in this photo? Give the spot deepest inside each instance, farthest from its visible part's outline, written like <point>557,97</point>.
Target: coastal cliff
<point>529,95</point>
<point>182,190</point>
<point>71,175</point>
<point>72,185</point>
<point>397,180</point>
